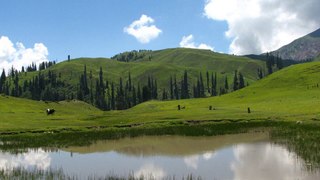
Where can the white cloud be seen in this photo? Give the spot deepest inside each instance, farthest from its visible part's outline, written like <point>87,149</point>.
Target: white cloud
<point>150,171</point>
<point>208,155</point>
<point>33,158</point>
<point>267,161</point>
<point>188,42</point>
<point>143,29</point>
<point>18,55</point>
<point>257,26</point>
<point>192,161</point>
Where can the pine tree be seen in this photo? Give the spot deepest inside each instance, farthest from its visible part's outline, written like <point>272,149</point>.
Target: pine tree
<point>279,62</point>
<point>149,82</point>
<point>134,96</point>
<point>121,95</point>
<point>101,83</point>
<point>214,84</point>
<point>15,90</point>
<point>208,79</point>
<point>85,81</point>
<point>91,88</point>
<point>120,99</point>
<point>146,93</point>
<point>201,86</point>
<point>226,84</point>
<point>139,95</point>
<point>113,103</point>
<point>241,81</point>
<point>2,81</point>
<point>222,91</point>
<point>195,91</point>
<point>6,88</point>
<point>176,90</point>
<point>185,86</point>
<point>129,82</point>
<point>269,63</point>
<point>83,89</point>
<point>164,94</point>
<point>154,89</point>
<point>235,81</point>
<point>171,88</point>
<point>198,88</point>
<point>260,73</point>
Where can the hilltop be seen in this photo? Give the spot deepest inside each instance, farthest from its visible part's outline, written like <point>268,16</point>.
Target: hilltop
<point>151,73</point>
<point>305,48</point>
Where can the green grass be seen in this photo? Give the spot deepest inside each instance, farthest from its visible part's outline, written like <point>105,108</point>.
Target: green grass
<point>17,114</point>
<point>277,102</point>
<point>164,63</point>
<point>303,139</point>
<point>290,94</point>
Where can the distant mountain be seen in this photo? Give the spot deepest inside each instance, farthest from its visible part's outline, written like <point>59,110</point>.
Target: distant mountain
<point>305,48</point>
<point>263,57</point>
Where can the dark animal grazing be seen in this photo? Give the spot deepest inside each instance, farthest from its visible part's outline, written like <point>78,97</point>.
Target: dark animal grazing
<point>184,107</point>
<point>50,111</point>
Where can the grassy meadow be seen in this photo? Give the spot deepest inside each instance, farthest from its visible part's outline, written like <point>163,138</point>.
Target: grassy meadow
<point>290,94</point>
<point>162,65</point>
<point>286,104</point>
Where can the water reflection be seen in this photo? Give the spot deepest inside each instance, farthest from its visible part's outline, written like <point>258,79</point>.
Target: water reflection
<point>150,171</point>
<point>32,158</point>
<point>244,156</point>
<point>268,161</point>
<point>192,161</point>
<point>169,145</point>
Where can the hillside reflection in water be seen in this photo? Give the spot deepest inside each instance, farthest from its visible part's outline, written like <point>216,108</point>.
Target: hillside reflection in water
<point>241,156</point>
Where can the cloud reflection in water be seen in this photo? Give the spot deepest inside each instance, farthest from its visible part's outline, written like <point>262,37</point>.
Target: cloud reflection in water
<point>33,158</point>
<point>150,171</point>
<point>267,161</point>
<point>193,160</point>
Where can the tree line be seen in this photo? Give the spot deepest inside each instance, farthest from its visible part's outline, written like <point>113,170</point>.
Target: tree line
<point>109,95</point>
<point>273,63</point>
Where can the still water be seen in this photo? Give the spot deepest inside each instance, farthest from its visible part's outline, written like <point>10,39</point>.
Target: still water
<point>241,156</point>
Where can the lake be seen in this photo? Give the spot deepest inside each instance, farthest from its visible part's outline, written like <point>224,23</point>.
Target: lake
<point>240,156</point>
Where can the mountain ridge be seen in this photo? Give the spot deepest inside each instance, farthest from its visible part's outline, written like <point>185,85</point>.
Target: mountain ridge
<point>305,48</point>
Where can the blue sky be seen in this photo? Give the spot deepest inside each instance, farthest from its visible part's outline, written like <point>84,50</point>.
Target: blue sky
<point>42,30</point>
<point>86,28</point>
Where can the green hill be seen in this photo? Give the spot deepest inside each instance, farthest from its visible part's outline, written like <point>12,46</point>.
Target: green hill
<point>160,65</point>
<point>289,94</point>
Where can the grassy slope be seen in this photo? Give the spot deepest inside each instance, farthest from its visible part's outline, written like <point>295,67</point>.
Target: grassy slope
<point>23,114</point>
<point>163,64</point>
<point>290,94</point>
